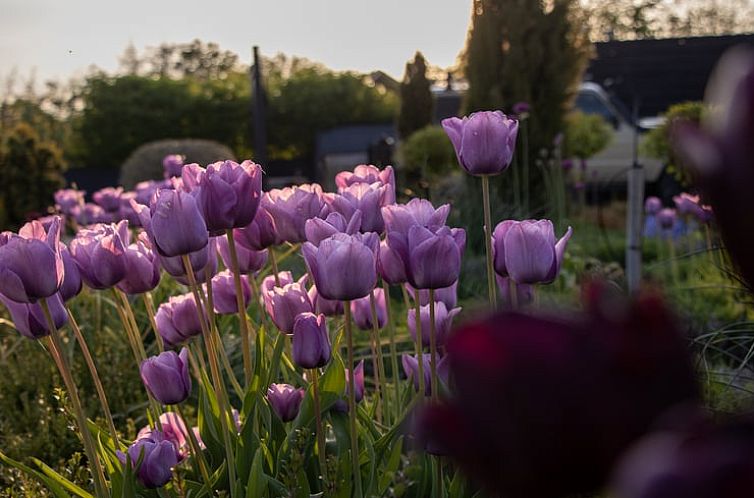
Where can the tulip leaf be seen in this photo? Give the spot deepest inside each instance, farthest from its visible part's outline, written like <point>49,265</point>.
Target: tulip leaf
<point>257,482</point>
<point>391,467</point>
<point>49,472</point>
<point>52,484</point>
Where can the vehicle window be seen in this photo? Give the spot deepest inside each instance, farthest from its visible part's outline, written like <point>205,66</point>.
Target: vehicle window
<point>589,103</point>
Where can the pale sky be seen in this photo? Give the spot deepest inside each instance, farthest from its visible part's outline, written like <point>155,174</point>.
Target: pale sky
<point>61,38</point>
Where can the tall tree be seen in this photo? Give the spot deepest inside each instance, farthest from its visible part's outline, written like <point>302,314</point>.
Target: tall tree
<point>416,98</point>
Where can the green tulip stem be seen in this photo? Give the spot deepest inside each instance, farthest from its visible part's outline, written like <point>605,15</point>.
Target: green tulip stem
<point>321,446</point>
<point>488,241</point>
<point>435,386</point>
<point>352,403</point>
<point>56,351</point>
<point>419,344</point>
<point>149,305</point>
<point>95,376</point>
<point>274,263</point>
<point>393,351</point>
<point>673,261</point>
<point>245,337</point>
<point>195,449</point>
<point>379,367</point>
<point>212,354</point>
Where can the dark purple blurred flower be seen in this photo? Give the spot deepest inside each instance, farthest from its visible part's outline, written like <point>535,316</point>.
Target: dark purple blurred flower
<point>318,229</point>
<point>29,318</point>
<point>142,267</point>
<point>367,173</point>
<point>707,460</point>
<point>567,165</point>
<point>172,165</point>
<point>284,303</point>
<point>224,292</point>
<point>531,253</point>
<point>344,266</point>
<point>311,342</point>
<point>260,233</point>
<point>90,214</point>
<point>484,141</point>
<point>108,198</point>
<point>178,320</point>
<point>228,194</point>
<point>174,223</point>
<point>434,258</point>
<point>652,205</point>
<point>285,400</point>
<point>327,307</point>
<point>72,277</point>
<point>367,198</point>
<point>721,154</point>
<point>100,254</point>
<point>67,199</point>
<point>411,369</point>
<point>249,261</point>
<point>666,218</point>
<point>443,323</point>
<point>166,377</point>
<point>361,310</point>
<point>561,397</point>
<point>358,376</point>
<point>157,456</point>
<point>520,108</point>
<point>689,205</point>
<point>448,295</point>
<point>292,206</point>
<point>31,264</point>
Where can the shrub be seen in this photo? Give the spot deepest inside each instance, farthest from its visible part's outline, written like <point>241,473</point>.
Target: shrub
<point>427,155</point>
<point>585,135</point>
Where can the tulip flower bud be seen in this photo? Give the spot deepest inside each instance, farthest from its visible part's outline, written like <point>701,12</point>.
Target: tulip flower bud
<point>203,262</point>
<point>666,218</point>
<point>390,265</point>
<point>285,400</point>
<point>91,214</point>
<point>652,205</point>
<point>72,278</point>
<point>283,304</point>
<point>166,376</point>
<point>344,266</point>
<point>443,322</point>
<point>524,292</point>
<point>108,198</point>
<point>318,229</point>
<point>269,282</point>
<point>358,374</point>
<point>100,253</point>
<point>361,310</point>
<point>67,199</point>
<point>174,430</point>
<point>157,456</point>
<point>484,141</point>
<point>142,267</point>
<point>249,261</point>
<point>174,223</point>
<point>434,259</point>
<point>411,369</point>
<point>366,173</point>
<point>311,342</point>
<point>31,265</point>
<point>178,319</point>
<point>532,254</point>
<point>327,307</point>
<point>172,165</point>
<point>448,295</point>
<point>260,234</point>
<point>292,206</point>
<point>224,290</point>
<point>369,199</point>
<point>29,318</point>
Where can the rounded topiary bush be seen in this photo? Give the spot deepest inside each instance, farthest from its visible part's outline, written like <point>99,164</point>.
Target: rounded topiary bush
<point>145,163</point>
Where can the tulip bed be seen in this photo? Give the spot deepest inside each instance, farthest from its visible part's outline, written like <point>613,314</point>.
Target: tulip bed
<point>297,342</point>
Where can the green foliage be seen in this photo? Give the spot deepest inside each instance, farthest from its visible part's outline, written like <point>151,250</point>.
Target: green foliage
<point>657,142</point>
<point>428,154</point>
<point>30,172</point>
<point>585,135</point>
<point>416,98</point>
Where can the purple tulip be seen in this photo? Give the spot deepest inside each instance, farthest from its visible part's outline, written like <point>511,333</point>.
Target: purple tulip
<point>434,259</point>
<point>484,142</point>
<point>285,400</point>
<point>399,218</point>
<point>358,376</point>
<point>67,199</point>
<point>524,292</point>
<point>228,194</point>
<point>72,277</point>
<point>157,456</point>
<point>178,320</point>
<point>174,223</point>
<point>652,205</point>
<point>203,262</point>
<point>90,214</point>
<point>367,198</point>
<point>366,173</point>
<point>292,206</point>
<point>100,254</point>
<point>108,198</point>
<point>224,292</point>
<point>498,246</point>
<point>666,218</point>
<point>31,265</point>
<point>361,310</point>
<point>260,233</point>
<point>443,323</point>
<point>142,267</point>
<point>447,295</point>
<point>172,165</point>
<point>284,303</point>
<point>327,307</point>
<point>311,342</point>
<point>411,369</point>
<point>269,282</point>
<point>166,377</point>
<point>249,261</point>
<point>344,266</point>
<point>145,190</point>
<point>521,108</point>
<point>532,255</point>
<point>29,318</point>
<point>174,430</point>
<point>318,229</point>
